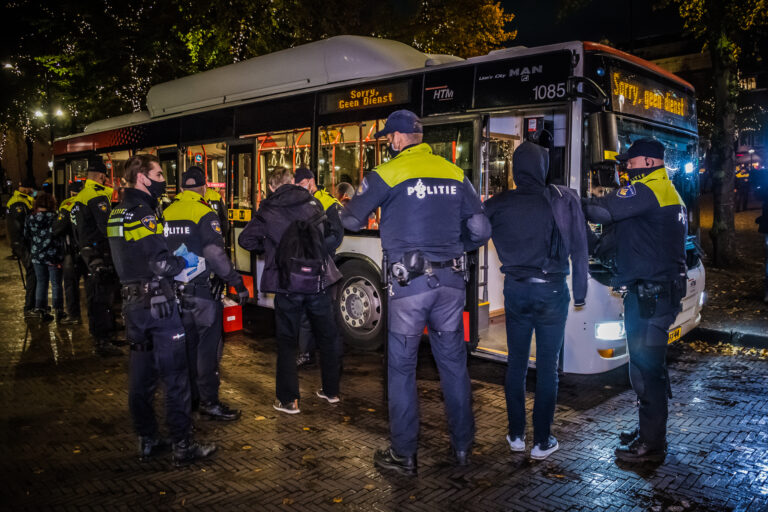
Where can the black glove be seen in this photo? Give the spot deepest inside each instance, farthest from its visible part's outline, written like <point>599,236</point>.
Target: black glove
<point>242,292</point>
<point>217,287</point>
<point>160,307</point>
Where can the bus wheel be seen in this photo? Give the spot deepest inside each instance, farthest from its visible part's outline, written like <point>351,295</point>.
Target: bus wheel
<point>360,306</point>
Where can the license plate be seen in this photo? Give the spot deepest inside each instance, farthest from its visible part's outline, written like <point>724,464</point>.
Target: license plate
<point>674,335</point>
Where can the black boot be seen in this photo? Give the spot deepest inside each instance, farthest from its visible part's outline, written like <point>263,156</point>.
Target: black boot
<point>150,446</point>
<point>388,459</point>
<point>105,348</point>
<point>640,452</point>
<point>188,450</point>
<point>629,436</point>
<point>218,411</point>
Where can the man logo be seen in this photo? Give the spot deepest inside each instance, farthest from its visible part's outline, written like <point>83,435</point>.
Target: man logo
<point>525,72</point>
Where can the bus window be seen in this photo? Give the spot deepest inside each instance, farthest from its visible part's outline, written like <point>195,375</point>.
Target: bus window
<point>211,159</point>
<point>77,169</point>
<point>454,142</point>
<point>349,152</point>
<point>169,164</point>
<point>290,149</point>
<point>115,162</point>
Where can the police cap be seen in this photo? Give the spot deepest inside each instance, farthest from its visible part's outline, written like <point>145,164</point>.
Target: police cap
<point>403,121</point>
<point>76,186</point>
<point>28,183</point>
<point>302,173</point>
<point>650,148</point>
<point>193,178</point>
<point>97,166</point>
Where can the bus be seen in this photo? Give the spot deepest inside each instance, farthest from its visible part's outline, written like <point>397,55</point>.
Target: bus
<point>318,105</point>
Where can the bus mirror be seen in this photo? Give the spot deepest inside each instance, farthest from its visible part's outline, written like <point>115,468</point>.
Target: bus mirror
<point>603,138</point>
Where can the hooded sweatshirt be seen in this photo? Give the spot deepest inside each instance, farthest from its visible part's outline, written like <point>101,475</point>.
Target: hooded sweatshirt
<point>263,233</point>
<point>536,228</point>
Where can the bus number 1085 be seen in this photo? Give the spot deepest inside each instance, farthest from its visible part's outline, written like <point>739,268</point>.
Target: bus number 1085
<point>549,92</point>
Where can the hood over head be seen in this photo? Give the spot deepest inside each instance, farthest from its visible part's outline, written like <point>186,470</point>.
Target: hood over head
<point>289,195</point>
<point>530,163</point>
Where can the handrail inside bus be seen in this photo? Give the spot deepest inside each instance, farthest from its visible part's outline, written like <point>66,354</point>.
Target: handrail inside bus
<point>597,47</point>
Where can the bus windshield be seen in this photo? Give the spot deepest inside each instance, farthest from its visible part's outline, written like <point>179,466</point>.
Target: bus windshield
<point>681,159</point>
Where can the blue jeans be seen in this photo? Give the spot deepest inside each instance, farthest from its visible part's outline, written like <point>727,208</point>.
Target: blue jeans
<point>440,309</point>
<point>542,307</point>
<point>44,273</point>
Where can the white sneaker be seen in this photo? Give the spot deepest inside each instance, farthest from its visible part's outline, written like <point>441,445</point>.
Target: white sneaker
<point>540,452</point>
<point>330,399</point>
<point>289,408</point>
<point>517,444</point>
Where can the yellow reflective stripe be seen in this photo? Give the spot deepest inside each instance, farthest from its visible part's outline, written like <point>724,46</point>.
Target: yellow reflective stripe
<point>138,233</point>
<point>665,192</point>
<point>129,225</point>
<point>114,231</point>
<point>418,162</point>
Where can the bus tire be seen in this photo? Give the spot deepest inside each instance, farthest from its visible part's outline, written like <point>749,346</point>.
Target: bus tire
<point>360,307</point>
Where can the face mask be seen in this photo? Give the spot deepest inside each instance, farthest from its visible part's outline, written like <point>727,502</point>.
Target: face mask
<point>156,188</point>
<point>392,151</point>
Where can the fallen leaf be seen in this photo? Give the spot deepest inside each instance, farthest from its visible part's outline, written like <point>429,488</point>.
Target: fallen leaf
<point>287,501</point>
<point>247,447</point>
<point>307,429</point>
<point>259,418</point>
<point>338,499</point>
<point>370,487</point>
<point>371,410</point>
<point>162,493</point>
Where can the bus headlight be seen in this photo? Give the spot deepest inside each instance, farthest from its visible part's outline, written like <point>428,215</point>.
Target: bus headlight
<point>610,331</point>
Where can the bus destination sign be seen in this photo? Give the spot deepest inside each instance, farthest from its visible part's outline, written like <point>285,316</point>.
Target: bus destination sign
<point>640,96</point>
<point>367,96</point>
<point>523,80</point>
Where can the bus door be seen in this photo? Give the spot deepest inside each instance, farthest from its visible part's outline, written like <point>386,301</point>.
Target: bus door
<point>169,162</point>
<point>458,141</point>
<point>501,135</point>
<point>240,200</point>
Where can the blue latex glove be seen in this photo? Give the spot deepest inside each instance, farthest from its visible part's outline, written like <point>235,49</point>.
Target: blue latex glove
<point>190,258</point>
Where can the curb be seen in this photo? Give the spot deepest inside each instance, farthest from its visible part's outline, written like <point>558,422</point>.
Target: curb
<point>714,336</point>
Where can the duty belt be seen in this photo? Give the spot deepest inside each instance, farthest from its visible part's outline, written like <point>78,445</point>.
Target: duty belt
<point>202,290</point>
<point>133,292</point>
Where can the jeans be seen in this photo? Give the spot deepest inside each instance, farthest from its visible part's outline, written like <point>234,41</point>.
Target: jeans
<point>543,308</point>
<point>289,308</point>
<point>44,273</point>
<point>411,308</point>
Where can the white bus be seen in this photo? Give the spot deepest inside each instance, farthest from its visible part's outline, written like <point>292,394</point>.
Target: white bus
<point>318,105</point>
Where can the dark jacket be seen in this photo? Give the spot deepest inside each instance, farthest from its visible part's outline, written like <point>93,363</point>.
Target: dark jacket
<point>263,233</point>
<point>45,248</point>
<point>650,226</point>
<point>536,228</point>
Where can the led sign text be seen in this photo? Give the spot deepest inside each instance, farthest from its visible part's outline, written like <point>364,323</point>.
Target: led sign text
<point>358,98</point>
<point>637,95</point>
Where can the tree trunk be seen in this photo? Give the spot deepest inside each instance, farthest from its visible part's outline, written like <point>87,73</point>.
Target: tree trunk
<point>723,233</point>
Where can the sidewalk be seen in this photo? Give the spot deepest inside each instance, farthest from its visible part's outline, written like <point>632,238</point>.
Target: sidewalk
<point>67,441</point>
<point>734,311</point>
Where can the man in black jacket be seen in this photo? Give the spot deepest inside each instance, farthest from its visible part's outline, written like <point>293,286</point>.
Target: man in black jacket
<point>262,235</point>
<point>535,229</point>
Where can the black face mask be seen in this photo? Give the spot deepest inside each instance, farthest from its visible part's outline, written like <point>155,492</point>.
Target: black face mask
<point>392,151</point>
<point>640,172</point>
<point>156,188</point>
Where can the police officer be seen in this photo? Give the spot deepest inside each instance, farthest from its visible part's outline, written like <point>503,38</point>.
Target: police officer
<point>650,223</point>
<point>305,178</point>
<point>191,223</point>
<point>534,255</point>
<point>18,207</point>
<point>89,216</point>
<point>217,204</point>
<point>426,206</point>
<point>152,322</point>
<point>73,267</point>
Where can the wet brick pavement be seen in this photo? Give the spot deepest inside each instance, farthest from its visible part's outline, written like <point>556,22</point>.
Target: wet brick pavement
<point>67,442</point>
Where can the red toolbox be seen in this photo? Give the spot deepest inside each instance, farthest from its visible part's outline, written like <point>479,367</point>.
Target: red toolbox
<point>233,316</point>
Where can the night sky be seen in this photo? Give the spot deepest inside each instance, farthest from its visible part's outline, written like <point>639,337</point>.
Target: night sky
<point>536,22</point>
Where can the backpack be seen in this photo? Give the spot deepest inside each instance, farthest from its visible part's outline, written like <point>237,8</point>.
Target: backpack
<point>302,259</point>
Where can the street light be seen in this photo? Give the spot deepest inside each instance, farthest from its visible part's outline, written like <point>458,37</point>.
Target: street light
<point>751,156</point>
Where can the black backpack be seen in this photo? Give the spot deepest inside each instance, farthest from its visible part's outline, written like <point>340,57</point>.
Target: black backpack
<point>301,257</point>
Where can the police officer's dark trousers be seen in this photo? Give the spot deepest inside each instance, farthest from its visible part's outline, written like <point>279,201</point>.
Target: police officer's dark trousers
<point>288,310</point>
<point>100,291</point>
<point>647,342</point>
<point>202,319</point>
<point>437,303</point>
<point>158,352</point>
<point>73,269</point>
<point>543,308</point>
<point>30,278</point>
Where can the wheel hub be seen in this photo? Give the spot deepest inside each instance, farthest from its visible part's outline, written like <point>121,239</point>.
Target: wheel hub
<point>360,305</point>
